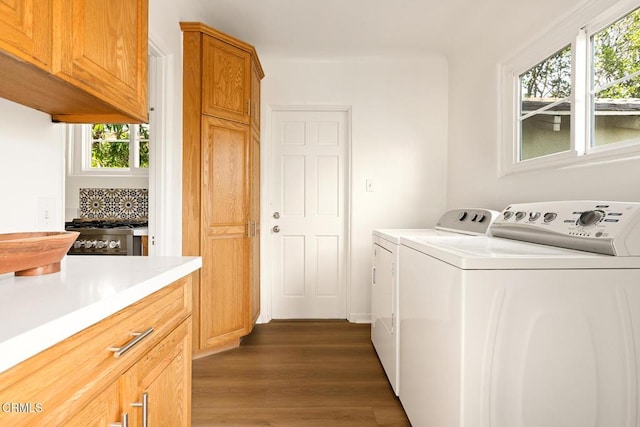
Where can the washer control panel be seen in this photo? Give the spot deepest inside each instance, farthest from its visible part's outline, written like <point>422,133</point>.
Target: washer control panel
<point>611,228</point>
<point>467,221</point>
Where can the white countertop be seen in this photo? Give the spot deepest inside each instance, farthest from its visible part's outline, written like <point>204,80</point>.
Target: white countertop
<point>38,312</point>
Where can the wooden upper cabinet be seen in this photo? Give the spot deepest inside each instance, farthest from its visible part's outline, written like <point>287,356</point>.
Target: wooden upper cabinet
<point>102,47</point>
<point>78,60</point>
<point>256,76</point>
<point>25,30</point>
<point>225,80</point>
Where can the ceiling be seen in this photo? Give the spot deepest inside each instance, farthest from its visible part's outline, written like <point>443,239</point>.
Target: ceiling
<point>321,28</point>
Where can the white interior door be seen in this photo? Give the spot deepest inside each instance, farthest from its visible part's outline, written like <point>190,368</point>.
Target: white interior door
<point>308,225</point>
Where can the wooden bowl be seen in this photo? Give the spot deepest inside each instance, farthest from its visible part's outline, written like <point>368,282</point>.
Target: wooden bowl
<point>36,253</point>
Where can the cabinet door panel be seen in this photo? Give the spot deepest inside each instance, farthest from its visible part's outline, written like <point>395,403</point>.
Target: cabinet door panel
<point>222,289</point>
<point>102,410</point>
<point>25,30</point>
<point>164,374</point>
<point>225,174</point>
<point>108,60</point>
<point>225,80</point>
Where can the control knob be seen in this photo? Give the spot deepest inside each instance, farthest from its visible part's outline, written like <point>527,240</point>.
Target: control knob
<point>78,244</point>
<point>462,216</point>
<point>590,217</point>
<point>89,244</point>
<point>101,244</point>
<point>114,244</point>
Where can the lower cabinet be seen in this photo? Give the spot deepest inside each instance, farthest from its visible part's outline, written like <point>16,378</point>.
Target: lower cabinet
<point>158,386</point>
<point>83,382</point>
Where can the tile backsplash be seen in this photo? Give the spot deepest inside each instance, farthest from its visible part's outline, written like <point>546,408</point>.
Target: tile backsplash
<point>129,203</point>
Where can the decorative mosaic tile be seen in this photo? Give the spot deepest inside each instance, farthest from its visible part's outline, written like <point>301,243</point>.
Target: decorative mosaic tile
<point>129,203</point>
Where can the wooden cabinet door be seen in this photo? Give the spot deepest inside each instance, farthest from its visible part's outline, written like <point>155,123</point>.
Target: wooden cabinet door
<point>160,383</point>
<point>25,30</point>
<point>224,230</point>
<point>225,80</point>
<point>102,47</point>
<point>255,97</point>
<point>102,410</point>
<point>254,215</point>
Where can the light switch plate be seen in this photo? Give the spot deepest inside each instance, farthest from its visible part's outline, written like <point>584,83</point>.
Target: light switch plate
<point>369,184</point>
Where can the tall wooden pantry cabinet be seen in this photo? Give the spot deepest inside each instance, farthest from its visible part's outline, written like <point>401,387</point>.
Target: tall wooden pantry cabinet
<point>221,183</point>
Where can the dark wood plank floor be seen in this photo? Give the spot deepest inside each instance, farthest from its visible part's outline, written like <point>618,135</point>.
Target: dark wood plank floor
<point>296,373</point>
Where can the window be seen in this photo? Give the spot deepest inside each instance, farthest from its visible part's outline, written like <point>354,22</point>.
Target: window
<point>615,87</point>
<point>545,100</point>
<point>119,146</point>
<point>581,102</point>
<point>109,149</point>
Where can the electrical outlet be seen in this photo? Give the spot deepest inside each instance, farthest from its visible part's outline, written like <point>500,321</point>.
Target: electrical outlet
<point>47,214</point>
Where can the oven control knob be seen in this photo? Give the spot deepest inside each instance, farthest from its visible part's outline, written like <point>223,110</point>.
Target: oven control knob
<point>100,244</point>
<point>89,244</point>
<point>114,244</point>
<point>550,216</point>
<point>520,215</point>
<point>78,244</point>
<point>507,214</point>
<point>533,216</point>
<point>590,217</point>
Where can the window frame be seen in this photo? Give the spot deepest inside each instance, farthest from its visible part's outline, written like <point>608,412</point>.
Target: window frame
<point>79,156</point>
<point>576,28</point>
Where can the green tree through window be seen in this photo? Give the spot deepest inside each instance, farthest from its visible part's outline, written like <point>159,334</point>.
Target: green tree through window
<point>113,145</point>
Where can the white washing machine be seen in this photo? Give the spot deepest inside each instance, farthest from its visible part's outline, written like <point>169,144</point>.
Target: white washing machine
<point>496,332</point>
<point>384,277</point>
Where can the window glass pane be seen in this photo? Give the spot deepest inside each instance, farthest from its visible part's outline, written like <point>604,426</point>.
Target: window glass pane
<point>545,128</point>
<point>543,134</point>
<point>109,145</point>
<point>143,140</point>
<point>616,91</point>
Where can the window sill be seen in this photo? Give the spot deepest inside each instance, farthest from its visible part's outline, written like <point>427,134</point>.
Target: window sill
<point>572,160</point>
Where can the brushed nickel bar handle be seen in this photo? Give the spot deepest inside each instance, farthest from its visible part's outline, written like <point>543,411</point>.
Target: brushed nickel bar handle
<point>145,408</point>
<point>139,336</point>
<point>123,423</point>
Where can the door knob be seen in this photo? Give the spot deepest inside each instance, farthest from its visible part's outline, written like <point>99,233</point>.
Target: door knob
<point>276,215</point>
<point>276,229</point>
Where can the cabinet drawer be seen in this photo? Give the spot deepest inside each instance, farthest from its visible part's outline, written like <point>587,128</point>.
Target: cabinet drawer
<point>58,382</point>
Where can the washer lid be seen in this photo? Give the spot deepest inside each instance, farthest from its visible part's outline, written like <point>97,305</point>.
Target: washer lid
<point>393,235</point>
<point>454,222</point>
<point>493,253</point>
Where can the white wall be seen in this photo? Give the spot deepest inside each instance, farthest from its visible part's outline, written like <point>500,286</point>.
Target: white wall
<point>473,134</point>
<point>31,170</point>
<point>399,131</point>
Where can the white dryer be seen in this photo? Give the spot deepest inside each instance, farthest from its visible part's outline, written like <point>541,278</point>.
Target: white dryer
<point>384,277</point>
<point>496,332</point>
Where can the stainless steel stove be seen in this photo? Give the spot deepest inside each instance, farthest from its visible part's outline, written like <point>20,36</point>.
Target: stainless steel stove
<point>107,236</point>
